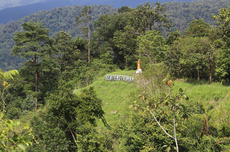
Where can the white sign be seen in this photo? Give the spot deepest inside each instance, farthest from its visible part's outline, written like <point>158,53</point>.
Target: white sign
<point>119,78</point>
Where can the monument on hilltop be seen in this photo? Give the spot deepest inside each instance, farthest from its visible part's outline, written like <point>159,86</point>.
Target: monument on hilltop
<point>139,67</point>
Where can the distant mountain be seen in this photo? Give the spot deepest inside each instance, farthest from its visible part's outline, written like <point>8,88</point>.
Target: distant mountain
<point>14,3</point>
<point>117,3</point>
<point>62,19</point>
<point>56,20</point>
<point>15,13</point>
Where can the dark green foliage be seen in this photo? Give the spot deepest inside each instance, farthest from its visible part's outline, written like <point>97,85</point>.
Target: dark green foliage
<point>181,14</point>
<point>196,51</point>
<point>198,28</point>
<point>105,28</point>
<point>119,32</point>
<point>225,130</point>
<point>62,19</point>
<point>56,66</point>
<point>173,36</point>
<point>58,19</point>
<point>223,67</point>
<point>13,112</point>
<point>28,103</point>
<point>35,45</point>
<point>68,53</point>
<point>68,123</point>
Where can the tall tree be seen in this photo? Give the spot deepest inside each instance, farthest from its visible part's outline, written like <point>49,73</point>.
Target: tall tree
<point>152,45</point>
<point>85,17</point>
<point>105,29</point>
<point>33,44</point>
<point>9,142</point>
<point>146,17</point>
<point>198,28</point>
<point>68,53</point>
<point>223,62</point>
<point>142,19</point>
<point>223,20</point>
<point>70,120</point>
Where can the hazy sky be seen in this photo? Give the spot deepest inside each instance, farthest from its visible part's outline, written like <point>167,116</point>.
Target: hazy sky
<point>13,3</point>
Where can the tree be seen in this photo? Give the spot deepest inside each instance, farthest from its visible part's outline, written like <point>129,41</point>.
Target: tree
<point>68,53</point>
<point>105,29</point>
<point>126,41</point>
<point>158,104</point>
<point>223,62</point>
<point>4,76</point>
<point>198,28</point>
<point>146,17</point>
<point>85,17</point>
<point>223,20</point>
<point>152,45</point>
<point>142,19</point>
<point>192,57</point>
<point>7,75</point>
<point>17,141</point>
<point>34,45</point>
<point>70,120</point>
<point>173,36</point>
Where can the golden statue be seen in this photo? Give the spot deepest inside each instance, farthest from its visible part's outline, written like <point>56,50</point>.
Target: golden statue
<point>139,67</point>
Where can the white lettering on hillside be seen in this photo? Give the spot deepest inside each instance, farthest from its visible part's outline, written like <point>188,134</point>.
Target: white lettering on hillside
<point>119,78</point>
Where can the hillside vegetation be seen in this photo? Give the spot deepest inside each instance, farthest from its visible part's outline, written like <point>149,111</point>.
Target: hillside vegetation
<point>59,99</point>
<point>115,96</point>
<point>62,19</point>
<point>58,19</point>
<point>117,100</point>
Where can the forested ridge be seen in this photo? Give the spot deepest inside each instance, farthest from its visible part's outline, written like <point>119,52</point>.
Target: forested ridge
<point>62,19</point>
<point>180,14</point>
<point>58,19</point>
<point>61,99</point>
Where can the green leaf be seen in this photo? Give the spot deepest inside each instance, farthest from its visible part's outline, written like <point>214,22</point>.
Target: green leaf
<point>181,90</point>
<point>16,123</point>
<point>2,149</point>
<point>15,137</point>
<point>9,123</point>
<point>22,147</point>
<point>12,141</point>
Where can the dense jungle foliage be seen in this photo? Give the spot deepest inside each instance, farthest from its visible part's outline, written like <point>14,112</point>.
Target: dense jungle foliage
<point>58,19</point>
<point>62,19</point>
<point>53,91</point>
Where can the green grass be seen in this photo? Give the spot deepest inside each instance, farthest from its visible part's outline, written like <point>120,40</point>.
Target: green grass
<point>115,96</point>
<point>212,95</point>
<point>206,92</point>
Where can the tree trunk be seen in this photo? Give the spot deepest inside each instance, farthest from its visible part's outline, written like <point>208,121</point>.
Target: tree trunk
<point>207,127</point>
<point>36,83</point>
<point>89,43</point>
<point>198,74</point>
<point>87,82</point>
<point>210,76</point>
<point>174,124</point>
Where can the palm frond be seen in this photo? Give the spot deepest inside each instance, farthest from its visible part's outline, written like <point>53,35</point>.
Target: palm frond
<point>8,74</point>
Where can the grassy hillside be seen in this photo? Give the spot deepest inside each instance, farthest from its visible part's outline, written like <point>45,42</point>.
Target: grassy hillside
<point>215,98</point>
<point>115,96</point>
<point>116,99</point>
